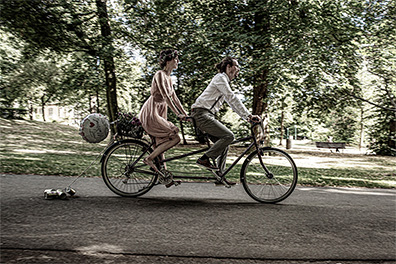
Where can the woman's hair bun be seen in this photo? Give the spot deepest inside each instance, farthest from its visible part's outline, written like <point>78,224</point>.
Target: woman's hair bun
<point>167,55</point>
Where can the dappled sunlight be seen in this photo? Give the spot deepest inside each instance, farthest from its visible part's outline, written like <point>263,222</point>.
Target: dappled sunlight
<point>22,121</point>
<point>390,183</point>
<point>23,157</point>
<point>230,160</point>
<point>99,250</point>
<point>304,161</point>
<point>52,151</point>
<point>29,151</point>
<point>359,192</point>
<point>44,151</point>
<point>14,136</point>
<point>348,191</point>
<point>50,148</point>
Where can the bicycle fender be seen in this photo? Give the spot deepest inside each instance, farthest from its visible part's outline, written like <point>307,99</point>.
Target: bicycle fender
<point>115,144</point>
<point>108,149</point>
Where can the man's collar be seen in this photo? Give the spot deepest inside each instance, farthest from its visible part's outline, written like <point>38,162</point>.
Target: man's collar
<point>228,78</point>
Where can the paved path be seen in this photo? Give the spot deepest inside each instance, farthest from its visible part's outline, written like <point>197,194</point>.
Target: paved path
<point>193,223</point>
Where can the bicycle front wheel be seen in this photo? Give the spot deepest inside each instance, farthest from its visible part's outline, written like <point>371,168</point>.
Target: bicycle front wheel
<point>123,169</point>
<point>269,175</point>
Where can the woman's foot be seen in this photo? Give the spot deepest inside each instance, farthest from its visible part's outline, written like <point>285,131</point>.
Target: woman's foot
<point>151,164</point>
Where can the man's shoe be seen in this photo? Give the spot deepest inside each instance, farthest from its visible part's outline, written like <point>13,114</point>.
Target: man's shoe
<point>206,164</point>
<point>217,183</point>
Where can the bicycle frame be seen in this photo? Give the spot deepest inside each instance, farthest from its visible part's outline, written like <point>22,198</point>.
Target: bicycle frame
<point>205,149</point>
<point>268,175</point>
<point>254,143</point>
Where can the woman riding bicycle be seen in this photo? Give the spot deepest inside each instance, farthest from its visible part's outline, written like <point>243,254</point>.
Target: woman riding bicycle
<point>153,114</point>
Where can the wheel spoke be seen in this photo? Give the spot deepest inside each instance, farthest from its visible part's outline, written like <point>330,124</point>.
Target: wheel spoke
<point>262,187</point>
<point>119,169</point>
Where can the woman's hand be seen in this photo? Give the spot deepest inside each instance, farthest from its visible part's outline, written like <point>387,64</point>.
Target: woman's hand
<point>182,117</point>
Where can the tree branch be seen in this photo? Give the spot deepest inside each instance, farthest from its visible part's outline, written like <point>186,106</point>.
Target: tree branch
<point>367,101</point>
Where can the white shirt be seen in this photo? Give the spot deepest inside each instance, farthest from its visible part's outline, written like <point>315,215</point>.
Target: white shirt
<point>219,86</point>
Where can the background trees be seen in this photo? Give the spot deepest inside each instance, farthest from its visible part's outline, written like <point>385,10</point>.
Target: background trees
<point>63,27</point>
<point>305,64</point>
<point>379,51</point>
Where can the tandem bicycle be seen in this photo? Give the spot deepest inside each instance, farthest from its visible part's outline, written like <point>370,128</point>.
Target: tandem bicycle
<point>268,175</point>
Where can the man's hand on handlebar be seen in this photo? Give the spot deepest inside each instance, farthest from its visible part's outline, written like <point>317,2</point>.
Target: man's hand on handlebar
<point>254,119</point>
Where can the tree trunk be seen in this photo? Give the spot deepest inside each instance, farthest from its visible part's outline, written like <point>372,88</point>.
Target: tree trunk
<point>260,93</point>
<point>267,138</point>
<point>281,127</point>
<point>90,104</point>
<point>43,107</point>
<point>97,102</point>
<point>260,90</point>
<point>111,91</point>
<point>361,129</point>
<point>392,134</point>
<point>107,55</point>
<point>30,111</point>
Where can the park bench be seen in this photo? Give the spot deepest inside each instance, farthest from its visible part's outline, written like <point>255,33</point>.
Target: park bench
<point>331,145</point>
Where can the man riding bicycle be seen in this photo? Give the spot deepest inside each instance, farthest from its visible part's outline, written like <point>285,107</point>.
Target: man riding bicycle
<point>208,104</point>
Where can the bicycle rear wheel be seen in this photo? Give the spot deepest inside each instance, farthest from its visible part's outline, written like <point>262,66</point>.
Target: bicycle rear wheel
<point>274,181</point>
<point>123,169</point>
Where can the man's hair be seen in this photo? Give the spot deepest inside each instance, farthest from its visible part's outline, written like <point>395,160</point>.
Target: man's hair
<point>222,66</point>
<point>167,55</point>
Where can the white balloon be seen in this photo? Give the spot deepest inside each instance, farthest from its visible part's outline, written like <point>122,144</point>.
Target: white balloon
<point>94,128</point>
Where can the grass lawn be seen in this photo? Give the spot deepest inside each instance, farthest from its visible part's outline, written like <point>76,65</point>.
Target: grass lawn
<point>33,147</point>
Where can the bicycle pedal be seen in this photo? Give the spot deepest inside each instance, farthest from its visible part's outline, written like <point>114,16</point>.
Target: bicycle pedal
<point>169,184</point>
<point>176,183</point>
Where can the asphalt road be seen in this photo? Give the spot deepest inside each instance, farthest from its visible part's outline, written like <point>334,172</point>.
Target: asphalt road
<point>193,223</point>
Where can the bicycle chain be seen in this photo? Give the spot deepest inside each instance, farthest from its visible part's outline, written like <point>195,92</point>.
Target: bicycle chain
<point>165,177</point>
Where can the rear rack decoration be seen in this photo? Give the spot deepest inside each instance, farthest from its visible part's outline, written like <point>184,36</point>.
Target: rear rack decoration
<point>129,125</point>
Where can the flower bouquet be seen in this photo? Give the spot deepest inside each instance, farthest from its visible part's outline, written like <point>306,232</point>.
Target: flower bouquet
<point>128,125</point>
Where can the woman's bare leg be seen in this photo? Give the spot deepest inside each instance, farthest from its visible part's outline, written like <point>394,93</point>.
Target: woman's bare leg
<point>159,150</point>
<point>162,157</point>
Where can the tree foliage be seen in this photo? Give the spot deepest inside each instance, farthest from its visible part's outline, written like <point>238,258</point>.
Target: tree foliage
<point>301,60</point>
<point>379,50</point>
<point>64,26</point>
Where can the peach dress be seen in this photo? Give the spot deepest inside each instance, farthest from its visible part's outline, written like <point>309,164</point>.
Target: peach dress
<point>154,113</point>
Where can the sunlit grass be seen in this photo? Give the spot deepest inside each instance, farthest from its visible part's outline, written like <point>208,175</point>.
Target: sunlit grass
<point>32,147</point>
<point>348,177</point>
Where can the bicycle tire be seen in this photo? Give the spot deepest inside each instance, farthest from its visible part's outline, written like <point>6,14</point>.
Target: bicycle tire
<point>275,186</point>
<point>119,172</point>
